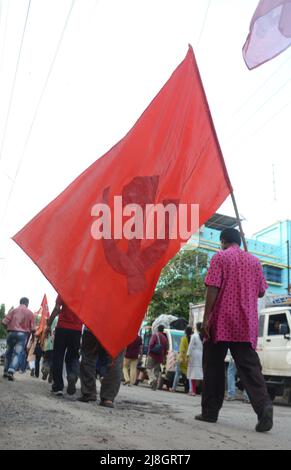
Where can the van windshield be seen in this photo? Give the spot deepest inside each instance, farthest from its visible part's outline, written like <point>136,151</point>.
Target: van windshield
<point>278,325</point>
<point>176,339</point>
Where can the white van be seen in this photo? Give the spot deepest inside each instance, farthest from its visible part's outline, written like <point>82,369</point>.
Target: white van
<point>274,342</point>
<point>274,349</point>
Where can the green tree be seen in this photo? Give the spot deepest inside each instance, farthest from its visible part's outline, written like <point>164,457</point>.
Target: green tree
<point>181,282</point>
<point>3,332</point>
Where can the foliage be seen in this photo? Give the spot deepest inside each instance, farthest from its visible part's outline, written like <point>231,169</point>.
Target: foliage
<point>181,282</point>
<point>3,332</point>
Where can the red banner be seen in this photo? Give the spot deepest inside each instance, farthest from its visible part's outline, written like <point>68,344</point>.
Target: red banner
<point>44,312</point>
<point>171,155</point>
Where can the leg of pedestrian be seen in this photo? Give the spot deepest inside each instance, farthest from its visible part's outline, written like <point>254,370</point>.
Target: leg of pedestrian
<point>89,352</point>
<point>110,384</point>
<point>157,374</point>
<point>11,341</point>
<point>37,364</point>
<point>176,378</point>
<point>20,342</point>
<point>193,381</point>
<point>150,370</point>
<point>250,371</point>
<point>231,373</point>
<point>60,346</point>
<point>133,370</point>
<point>72,360</point>
<point>213,387</point>
<point>126,365</point>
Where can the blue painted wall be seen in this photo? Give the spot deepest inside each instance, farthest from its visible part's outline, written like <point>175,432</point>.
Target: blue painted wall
<point>269,245</point>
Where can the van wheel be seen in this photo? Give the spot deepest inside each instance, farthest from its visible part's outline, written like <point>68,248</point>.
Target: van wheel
<point>272,393</point>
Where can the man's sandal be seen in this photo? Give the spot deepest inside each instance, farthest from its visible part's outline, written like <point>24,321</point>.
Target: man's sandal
<point>107,403</point>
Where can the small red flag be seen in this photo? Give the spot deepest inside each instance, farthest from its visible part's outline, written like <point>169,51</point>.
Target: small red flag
<point>270,32</point>
<point>44,312</point>
<point>170,155</point>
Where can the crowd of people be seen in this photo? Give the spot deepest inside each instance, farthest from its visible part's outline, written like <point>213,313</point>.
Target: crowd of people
<point>233,284</point>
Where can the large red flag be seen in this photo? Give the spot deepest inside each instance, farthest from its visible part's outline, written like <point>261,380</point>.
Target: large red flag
<point>170,155</point>
<point>270,32</point>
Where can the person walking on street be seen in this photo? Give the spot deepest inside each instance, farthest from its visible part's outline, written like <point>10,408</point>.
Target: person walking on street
<point>158,348</point>
<point>19,323</point>
<point>132,354</point>
<point>31,354</point>
<point>234,282</point>
<point>194,354</point>
<point>182,361</point>
<point>47,363</point>
<point>231,383</point>
<point>91,351</point>
<point>66,347</point>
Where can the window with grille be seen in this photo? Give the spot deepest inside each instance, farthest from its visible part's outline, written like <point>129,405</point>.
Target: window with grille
<point>272,273</point>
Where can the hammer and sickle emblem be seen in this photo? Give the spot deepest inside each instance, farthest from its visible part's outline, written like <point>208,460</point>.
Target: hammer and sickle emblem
<point>135,262</point>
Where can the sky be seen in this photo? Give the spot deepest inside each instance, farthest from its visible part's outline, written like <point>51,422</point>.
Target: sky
<point>76,75</point>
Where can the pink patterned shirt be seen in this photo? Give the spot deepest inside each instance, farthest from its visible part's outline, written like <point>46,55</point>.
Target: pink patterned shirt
<point>240,279</point>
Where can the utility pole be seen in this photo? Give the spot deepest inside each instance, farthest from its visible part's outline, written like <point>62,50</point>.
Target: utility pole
<point>288,266</point>
<point>274,183</point>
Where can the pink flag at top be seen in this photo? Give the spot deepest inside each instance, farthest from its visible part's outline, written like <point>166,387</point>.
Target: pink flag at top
<point>270,32</point>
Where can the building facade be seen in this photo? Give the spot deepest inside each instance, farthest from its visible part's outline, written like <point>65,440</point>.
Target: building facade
<point>270,245</point>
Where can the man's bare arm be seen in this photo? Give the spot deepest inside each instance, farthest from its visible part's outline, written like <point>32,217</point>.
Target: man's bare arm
<point>211,296</point>
<point>55,313</point>
<point>7,317</point>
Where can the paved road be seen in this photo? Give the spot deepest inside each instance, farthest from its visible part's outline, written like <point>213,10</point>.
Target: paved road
<point>32,419</point>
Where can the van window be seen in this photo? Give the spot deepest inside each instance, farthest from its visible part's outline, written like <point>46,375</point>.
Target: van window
<point>176,340</point>
<point>275,323</point>
<point>261,325</point>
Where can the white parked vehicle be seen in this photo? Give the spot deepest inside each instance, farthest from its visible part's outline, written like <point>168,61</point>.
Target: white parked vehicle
<point>274,349</point>
<point>274,342</point>
<point>2,350</point>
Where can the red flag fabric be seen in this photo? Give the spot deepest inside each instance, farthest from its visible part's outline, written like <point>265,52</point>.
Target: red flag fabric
<point>170,154</point>
<point>270,32</point>
<point>44,312</point>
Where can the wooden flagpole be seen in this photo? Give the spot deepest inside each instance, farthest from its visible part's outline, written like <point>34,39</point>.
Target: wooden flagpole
<point>220,155</point>
<point>239,221</point>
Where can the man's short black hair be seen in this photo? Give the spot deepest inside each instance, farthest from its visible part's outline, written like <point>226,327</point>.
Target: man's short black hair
<point>199,327</point>
<point>230,235</point>
<point>161,328</point>
<point>24,301</point>
<point>188,330</point>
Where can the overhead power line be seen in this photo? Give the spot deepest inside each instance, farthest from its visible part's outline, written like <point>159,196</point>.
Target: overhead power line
<point>203,23</point>
<point>252,95</point>
<point>257,110</point>
<point>243,141</point>
<point>4,36</point>
<point>36,110</point>
<point>14,82</point>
